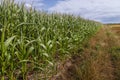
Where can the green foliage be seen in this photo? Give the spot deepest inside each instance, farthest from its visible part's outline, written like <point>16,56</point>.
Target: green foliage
<point>31,37</point>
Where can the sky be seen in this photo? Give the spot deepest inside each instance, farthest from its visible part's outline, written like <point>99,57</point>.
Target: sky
<point>105,11</point>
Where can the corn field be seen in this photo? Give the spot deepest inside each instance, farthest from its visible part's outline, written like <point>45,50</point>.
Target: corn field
<point>31,39</point>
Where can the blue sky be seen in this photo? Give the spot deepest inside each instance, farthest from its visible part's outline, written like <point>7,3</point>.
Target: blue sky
<point>106,11</point>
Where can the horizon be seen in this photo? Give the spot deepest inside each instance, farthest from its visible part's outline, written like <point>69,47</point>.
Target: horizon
<point>103,11</point>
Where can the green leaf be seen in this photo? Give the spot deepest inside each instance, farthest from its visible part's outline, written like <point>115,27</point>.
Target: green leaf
<point>43,46</point>
<point>18,55</point>
<point>8,41</point>
<point>30,50</point>
<point>22,61</point>
<point>50,62</point>
<point>49,42</point>
<point>30,42</point>
<point>46,54</point>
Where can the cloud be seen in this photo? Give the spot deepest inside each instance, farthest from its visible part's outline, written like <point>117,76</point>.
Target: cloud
<point>91,9</point>
<point>38,4</point>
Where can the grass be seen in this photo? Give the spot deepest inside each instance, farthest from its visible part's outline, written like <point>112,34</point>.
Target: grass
<point>115,28</point>
<point>115,50</point>
<point>33,41</point>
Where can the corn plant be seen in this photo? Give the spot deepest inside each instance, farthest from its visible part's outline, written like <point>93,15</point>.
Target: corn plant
<point>37,38</point>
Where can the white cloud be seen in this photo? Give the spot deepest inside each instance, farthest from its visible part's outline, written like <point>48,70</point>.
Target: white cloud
<point>28,5</point>
<point>32,3</point>
<point>91,9</point>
